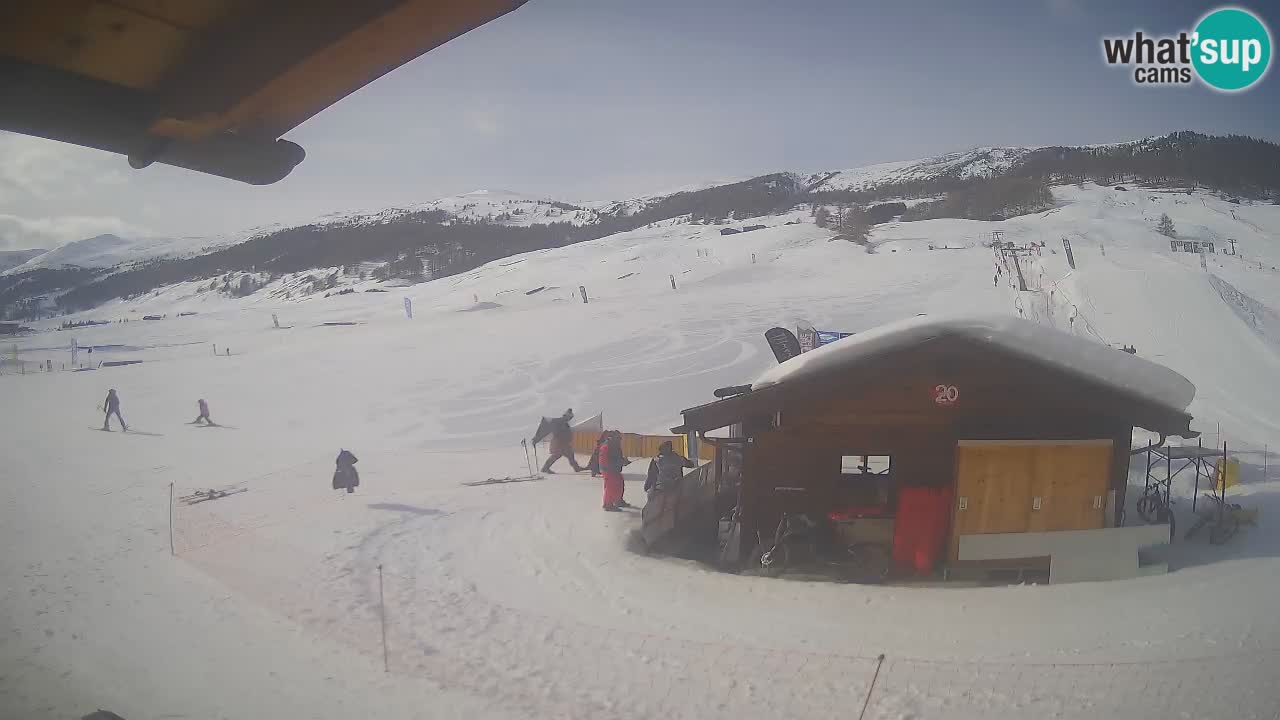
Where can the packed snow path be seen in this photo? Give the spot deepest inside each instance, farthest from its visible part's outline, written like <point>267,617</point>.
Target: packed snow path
<point>521,600</point>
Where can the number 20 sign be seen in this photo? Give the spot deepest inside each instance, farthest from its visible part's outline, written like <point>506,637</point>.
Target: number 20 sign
<point>945,395</point>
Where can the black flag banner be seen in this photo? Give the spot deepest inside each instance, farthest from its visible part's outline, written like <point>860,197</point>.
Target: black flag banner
<point>784,343</point>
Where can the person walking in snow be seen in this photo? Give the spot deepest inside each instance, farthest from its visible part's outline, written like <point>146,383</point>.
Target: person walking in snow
<point>204,413</point>
<point>345,475</point>
<point>561,435</point>
<point>666,469</point>
<point>112,406</point>
<point>611,466</point>
<point>622,488</point>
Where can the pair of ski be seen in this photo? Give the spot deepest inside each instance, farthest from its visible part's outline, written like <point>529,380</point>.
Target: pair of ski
<point>503,480</point>
<point>200,496</point>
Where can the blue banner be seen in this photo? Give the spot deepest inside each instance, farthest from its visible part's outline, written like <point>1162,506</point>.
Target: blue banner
<point>826,337</point>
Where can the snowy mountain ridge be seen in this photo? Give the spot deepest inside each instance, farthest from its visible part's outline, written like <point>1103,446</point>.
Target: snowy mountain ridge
<point>981,162</point>
<point>518,209</point>
<point>108,250</point>
<point>455,233</point>
<point>504,207</point>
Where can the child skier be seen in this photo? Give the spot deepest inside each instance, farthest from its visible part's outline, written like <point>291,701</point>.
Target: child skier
<point>345,476</point>
<point>204,413</point>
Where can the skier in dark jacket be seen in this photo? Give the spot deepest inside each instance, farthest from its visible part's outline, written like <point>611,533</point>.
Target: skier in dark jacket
<point>112,407</point>
<point>594,463</point>
<point>345,476</point>
<point>561,441</point>
<point>666,469</point>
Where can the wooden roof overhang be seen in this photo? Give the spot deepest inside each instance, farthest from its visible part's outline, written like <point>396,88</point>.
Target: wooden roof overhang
<point>208,85</point>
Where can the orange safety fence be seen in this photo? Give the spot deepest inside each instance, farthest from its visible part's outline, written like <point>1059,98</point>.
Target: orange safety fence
<point>636,445</point>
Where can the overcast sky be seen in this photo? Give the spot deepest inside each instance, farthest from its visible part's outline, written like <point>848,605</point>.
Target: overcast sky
<point>603,99</point>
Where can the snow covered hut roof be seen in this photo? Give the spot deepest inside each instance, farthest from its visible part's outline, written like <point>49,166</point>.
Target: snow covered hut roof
<point>1114,369</point>
<point>1159,395</point>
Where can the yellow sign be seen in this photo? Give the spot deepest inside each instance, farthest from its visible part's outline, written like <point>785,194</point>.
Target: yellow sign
<point>1232,474</point>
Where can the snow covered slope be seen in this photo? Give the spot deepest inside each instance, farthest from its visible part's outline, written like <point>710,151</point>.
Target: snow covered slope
<point>519,599</point>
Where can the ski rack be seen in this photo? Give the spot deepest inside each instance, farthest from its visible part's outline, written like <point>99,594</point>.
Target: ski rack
<point>1198,457</point>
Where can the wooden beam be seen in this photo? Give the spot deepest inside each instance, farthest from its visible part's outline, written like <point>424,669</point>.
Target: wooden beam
<point>267,70</point>
<point>60,105</point>
<point>195,15</point>
<point>94,39</point>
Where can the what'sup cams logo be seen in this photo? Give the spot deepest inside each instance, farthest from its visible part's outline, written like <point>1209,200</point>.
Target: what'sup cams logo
<point>1229,50</point>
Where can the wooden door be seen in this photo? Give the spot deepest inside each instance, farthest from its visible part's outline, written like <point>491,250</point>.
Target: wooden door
<point>1072,481</point>
<point>993,488</point>
<point>998,482</point>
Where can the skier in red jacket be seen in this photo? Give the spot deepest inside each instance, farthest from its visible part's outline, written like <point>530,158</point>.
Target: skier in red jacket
<point>611,466</point>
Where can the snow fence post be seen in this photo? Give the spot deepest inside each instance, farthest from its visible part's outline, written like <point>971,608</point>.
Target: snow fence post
<point>171,549</point>
<point>382,611</point>
<point>870,689</point>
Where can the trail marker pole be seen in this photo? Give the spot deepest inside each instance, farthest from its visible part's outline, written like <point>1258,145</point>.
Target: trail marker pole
<point>382,611</point>
<point>1195,494</point>
<point>172,551</point>
<point>1222,498</point>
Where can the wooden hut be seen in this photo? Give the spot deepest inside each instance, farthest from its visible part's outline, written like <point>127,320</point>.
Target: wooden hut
<point>1010,427</point>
